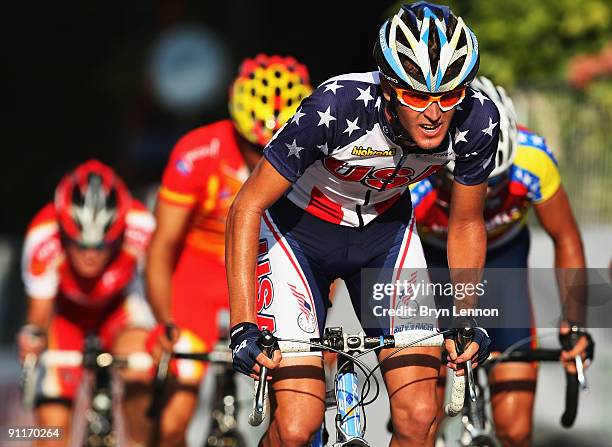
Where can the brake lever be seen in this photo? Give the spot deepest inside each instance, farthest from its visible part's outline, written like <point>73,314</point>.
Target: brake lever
<point>580,372</point>
<point>465,337</point>
<point>257,415</point>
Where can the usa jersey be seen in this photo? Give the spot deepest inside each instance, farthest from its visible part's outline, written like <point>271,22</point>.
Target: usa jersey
<point>533,178</point>
<point>341,155</point>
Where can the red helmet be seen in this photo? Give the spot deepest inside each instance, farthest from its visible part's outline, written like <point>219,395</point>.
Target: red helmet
<point>91,203</point>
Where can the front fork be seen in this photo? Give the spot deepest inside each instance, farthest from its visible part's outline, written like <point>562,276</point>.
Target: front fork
<point>349,415</point>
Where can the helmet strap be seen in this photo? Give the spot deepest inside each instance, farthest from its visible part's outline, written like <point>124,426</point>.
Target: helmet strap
<point>398,130</point>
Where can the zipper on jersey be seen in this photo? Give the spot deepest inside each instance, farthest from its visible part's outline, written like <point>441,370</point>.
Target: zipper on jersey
<point>359,216</point>
<point>395,172</point>
<point>366,201</point>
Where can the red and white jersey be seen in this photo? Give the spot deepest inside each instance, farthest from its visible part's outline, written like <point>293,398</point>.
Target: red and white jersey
<point>47,273</point>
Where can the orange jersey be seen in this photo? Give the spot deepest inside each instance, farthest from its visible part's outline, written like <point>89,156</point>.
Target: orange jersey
<point>204,173</point>
<point>47,273</point>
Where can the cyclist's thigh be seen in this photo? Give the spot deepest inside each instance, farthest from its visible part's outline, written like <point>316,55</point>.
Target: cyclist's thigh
<point>411,376</point>
<point>58,383</point>
<point>54,414</point>
<point>126,329</point>
<point>178,410</point>
<point>197,283</point>
<point>293,289</point>
<point>386,253</point>
<point>507,290</point>
<point>512,387</point>
<point>299,392</point>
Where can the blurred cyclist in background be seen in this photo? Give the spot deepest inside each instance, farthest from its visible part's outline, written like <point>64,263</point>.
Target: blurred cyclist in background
<point>80,261</point>
<point>186,271</point>
<point>525,174</point>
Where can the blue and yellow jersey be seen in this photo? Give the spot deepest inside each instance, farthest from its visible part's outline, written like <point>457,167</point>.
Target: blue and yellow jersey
<point>532,179</point>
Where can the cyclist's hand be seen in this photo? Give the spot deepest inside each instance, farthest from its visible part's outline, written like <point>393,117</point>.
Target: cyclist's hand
<point>477,351</point>
<point>576,342</point>
<point>246,352</point>
<point>30,340</point>
<point>162,339</point>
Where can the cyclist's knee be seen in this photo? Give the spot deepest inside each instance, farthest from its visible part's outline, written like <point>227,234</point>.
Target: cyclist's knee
<point>294,432</point>
<point>172,432</point>
<point>176,417</point>
<point>53,414</point>
<point>127,342</point>
<point>415,419</point>
<point>517,434</point>
<point>293,435</point>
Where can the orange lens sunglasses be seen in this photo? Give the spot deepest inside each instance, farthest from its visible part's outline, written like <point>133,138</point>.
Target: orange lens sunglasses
<point>419,101</point>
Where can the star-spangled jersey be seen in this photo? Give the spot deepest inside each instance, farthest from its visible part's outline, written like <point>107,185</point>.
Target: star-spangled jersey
<point>533,178</point>
<point>340,154</point>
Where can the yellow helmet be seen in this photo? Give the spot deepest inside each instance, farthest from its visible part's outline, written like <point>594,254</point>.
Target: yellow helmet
<point>266,93</point>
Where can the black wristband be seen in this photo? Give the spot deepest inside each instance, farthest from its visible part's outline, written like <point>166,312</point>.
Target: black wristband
<point>170,329</point>
<point>460,323</point>
<point>464,323</point>
<point>33,330</point>
<point>239,328</point>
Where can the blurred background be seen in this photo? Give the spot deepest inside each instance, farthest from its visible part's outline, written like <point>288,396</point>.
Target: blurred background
<point>121,81</point>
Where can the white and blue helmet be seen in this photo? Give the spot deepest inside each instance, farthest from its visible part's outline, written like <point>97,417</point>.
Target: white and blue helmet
<point>427,48</point>
<point>508,125</point>
<point>508,133</point>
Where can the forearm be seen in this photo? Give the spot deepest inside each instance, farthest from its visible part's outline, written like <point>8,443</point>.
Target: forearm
<point>40,312</point>
<point>242,237</point>
<point>159,271</point>
<point>466,252</point>
<point>571,273</point>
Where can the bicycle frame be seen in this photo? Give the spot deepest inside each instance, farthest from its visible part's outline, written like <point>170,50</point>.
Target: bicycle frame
<point>223,428</point>
<point>477,429</point>
<point>98,426</point>
<point>349,418</point>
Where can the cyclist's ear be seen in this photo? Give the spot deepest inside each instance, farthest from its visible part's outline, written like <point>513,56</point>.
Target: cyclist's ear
<point>386,88</point>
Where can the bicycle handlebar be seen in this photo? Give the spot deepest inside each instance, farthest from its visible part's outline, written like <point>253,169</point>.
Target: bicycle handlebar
<point>572,384</point>
<point>358,343</point>
<point>217,356</point>
<point>138,361</point>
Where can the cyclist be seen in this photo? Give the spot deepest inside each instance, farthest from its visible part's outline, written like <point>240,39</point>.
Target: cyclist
<point>80,262</point>
<point>206,168</point>
<point>525,175</point>
<point>329,199</point>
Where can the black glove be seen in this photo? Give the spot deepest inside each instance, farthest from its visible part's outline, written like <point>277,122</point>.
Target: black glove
<point>244,343</point>
<point>569,340</point>
<point>480,336</point>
